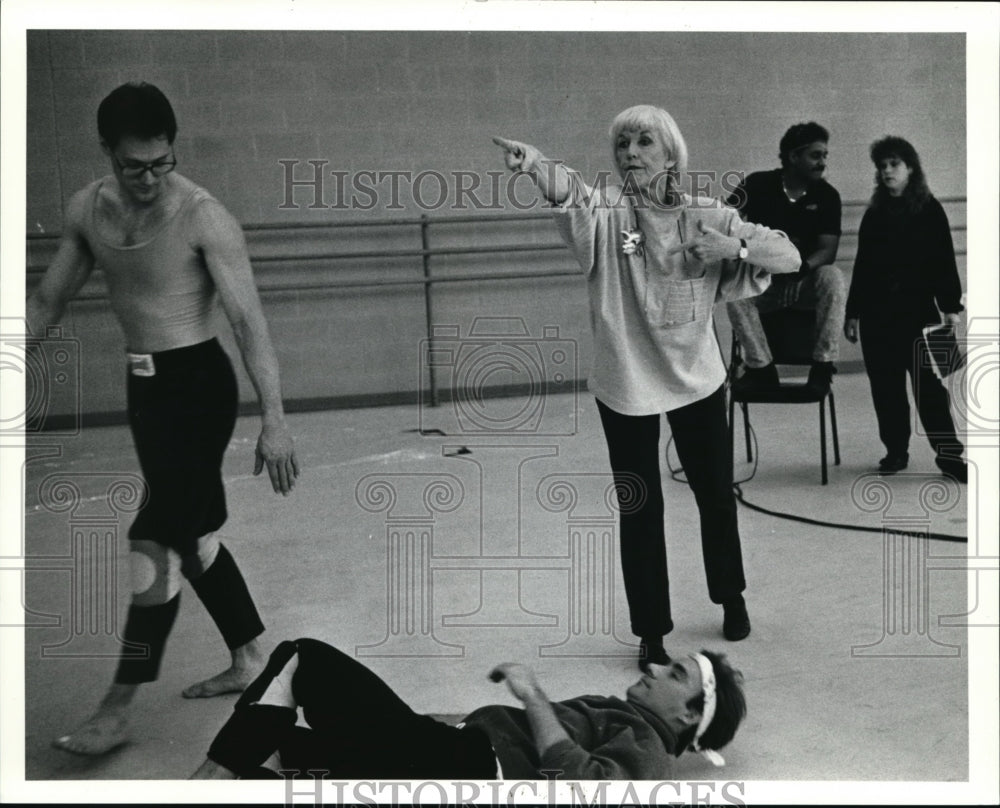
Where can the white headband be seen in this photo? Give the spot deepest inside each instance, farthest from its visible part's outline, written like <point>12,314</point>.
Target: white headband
<point>708,711</point>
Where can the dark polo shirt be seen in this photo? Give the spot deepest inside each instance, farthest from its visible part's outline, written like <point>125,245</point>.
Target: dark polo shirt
<point>761,200</point>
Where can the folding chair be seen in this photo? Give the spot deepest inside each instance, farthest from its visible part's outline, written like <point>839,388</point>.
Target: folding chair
<point>790,337</point>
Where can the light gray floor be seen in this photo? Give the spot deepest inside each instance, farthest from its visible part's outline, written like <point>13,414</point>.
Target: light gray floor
<point>848,677</point>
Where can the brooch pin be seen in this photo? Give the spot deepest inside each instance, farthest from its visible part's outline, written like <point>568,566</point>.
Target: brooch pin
<point>632,242</point>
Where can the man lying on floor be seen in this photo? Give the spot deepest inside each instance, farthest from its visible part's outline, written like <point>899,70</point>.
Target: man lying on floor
<point>358,728</point>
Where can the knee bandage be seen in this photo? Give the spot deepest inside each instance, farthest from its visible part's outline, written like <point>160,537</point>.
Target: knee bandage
<point>156,573</point>
<point>192,566</point>
<point>146,632</point>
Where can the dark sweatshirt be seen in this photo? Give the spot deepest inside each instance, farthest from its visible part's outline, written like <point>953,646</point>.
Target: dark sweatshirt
<point>905,264</point>
<point>610,739</point>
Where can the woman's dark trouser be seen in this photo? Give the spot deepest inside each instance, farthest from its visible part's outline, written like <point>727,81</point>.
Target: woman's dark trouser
<point>358,727</point>
<point>701,434</point>
<point>889,347</point>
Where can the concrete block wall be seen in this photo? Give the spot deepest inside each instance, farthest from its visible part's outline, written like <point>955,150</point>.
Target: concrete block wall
<point>430,102</point>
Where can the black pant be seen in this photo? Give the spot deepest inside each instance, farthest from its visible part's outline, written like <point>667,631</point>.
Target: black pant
<point>701,434</point>
<point>358,727</point>
<point>182,419</point>
<point>889,347</point>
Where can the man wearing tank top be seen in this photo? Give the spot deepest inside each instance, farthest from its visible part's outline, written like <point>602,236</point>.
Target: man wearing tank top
<point>170,254</point>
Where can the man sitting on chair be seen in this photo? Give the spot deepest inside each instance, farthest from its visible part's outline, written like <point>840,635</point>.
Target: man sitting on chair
<point>798,201</point>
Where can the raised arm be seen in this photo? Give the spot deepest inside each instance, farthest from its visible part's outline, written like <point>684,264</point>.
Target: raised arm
<point>67,273</point>
<point>767,249</point>
<point>221,241</point>
<point>616,757</point>
<point>551,176</point>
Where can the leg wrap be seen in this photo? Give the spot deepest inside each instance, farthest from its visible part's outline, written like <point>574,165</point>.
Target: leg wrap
<point>147,627</point>
<point>194,565</point>
<point>224,592</point>
<point>156,573</point>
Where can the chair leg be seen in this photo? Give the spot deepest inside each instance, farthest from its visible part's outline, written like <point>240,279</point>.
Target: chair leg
<point>833,429</point>
<point>732,426</point>
<point>822,436</point>
<point>746,430</point>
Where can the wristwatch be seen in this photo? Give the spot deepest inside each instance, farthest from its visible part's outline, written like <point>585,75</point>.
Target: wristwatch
<point>743,250</point>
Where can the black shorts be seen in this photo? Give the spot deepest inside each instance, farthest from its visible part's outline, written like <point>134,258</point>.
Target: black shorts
<point>182,418</point>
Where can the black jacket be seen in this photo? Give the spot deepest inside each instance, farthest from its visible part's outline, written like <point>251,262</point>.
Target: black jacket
<point>905,264</point>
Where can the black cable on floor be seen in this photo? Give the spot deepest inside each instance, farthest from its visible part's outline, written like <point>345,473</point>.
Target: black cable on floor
<point>676,474</point>
<point>862,528</point>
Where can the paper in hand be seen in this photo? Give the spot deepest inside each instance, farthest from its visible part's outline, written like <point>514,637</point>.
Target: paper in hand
<point>941,351</point>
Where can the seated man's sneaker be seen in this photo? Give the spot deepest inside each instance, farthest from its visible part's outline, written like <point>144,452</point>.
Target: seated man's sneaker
<point>893,462</point>
<point>757,379</point>
<point>820,376</point>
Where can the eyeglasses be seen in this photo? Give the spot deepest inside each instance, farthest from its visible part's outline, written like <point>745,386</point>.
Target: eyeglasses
<point>132,170</point>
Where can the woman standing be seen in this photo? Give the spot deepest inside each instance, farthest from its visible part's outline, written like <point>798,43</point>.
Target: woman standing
<point>904,275</point>
<point>656,261</point>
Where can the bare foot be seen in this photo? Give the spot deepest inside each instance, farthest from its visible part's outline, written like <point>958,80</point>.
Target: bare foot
<point>233,680</point>
<point>102,732</point>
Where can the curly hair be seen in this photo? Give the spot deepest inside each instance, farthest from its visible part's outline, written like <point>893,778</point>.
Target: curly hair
<point>916,193</point>
<point>799,135</point>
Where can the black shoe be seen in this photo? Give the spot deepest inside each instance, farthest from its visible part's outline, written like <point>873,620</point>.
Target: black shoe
<point>736,623</point>
<point>953,467</point>
<point>820,376</point>
<point>893,462</point>
<point>652,650</point>
<point>756,380</point>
